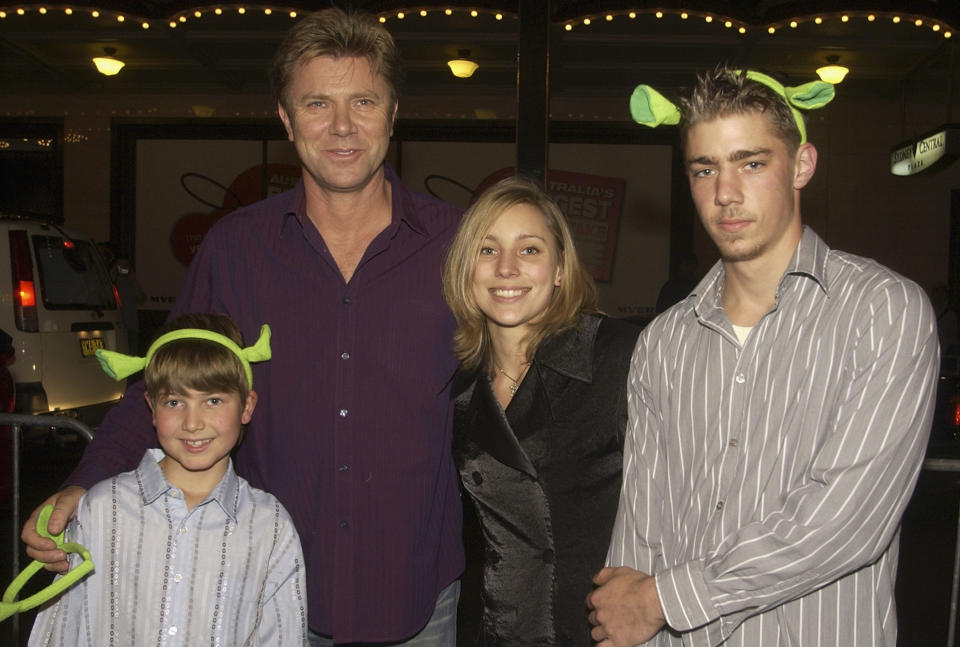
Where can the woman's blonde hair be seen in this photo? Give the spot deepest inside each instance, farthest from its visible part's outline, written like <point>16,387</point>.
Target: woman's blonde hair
<point>576,293</point>
<point>197,364</point>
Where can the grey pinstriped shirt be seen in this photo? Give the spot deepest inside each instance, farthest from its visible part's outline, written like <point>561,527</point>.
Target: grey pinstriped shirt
<point>228,572</point>
<point>764,483</point>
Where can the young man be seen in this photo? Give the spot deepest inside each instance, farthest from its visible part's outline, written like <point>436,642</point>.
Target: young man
<point>185,552</point>
<point>778,415</point>
<point>353,429</point>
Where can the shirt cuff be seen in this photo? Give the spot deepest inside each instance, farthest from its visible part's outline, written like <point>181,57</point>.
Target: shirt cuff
<point>684,597</point>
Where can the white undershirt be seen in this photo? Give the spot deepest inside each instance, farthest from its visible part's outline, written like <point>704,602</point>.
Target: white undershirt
<point>742,332</point>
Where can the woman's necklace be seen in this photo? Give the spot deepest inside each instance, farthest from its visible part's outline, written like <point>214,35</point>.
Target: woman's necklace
<point>514,383</point>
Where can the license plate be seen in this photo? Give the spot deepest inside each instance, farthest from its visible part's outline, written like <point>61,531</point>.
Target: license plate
<point>89,346</point>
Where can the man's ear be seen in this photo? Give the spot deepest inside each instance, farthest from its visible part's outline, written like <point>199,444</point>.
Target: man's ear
<point>393,116</point>
<point>805,164</point>
<point>287,122</point>
<point>248,407</point>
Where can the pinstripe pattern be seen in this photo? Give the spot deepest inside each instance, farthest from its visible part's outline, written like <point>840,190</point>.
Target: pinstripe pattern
<point>228,572</point>
<point>764,483</point>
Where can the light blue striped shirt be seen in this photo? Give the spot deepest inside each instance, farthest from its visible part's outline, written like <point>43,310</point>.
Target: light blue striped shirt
<point>764,482</point>
<point>228,572</point>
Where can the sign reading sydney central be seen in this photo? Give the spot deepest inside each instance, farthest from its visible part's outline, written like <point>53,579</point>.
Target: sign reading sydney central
<point>914,157</point>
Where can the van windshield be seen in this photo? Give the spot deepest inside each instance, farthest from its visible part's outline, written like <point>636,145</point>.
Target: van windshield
<point>71,275</point>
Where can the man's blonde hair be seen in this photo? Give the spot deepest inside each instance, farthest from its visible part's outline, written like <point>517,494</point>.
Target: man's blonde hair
<point>337,34</point>
<point>723,92</point>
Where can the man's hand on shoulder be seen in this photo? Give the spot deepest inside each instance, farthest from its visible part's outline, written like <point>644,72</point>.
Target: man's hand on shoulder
<point>41,548</point>
<point>625,608</point>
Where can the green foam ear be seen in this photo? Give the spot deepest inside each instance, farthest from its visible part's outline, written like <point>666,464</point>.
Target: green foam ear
<point>650,108</point>
<point>9,605</point>
<point>812,95</point>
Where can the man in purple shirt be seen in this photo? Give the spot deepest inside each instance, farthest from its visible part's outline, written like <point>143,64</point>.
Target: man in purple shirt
<point>353,430</point>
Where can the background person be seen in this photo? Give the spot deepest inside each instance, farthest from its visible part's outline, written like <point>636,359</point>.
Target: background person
<point>353,429</point>
<point>778,417</point>
<point>541,411</point>
<point>183,549</point>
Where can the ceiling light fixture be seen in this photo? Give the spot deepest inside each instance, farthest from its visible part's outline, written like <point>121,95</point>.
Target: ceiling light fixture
<point>108,65</point>
<point>463,67</point>
<point>832,73</point>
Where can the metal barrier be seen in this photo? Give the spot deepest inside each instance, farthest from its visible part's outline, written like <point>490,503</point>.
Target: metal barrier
<point>17,421</point>
<point>950,465</point>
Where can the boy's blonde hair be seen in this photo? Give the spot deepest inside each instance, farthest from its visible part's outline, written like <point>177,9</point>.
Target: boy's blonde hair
<point>197,364</point>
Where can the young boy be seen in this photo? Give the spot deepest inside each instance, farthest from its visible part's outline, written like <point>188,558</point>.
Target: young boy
<point>185,551</point>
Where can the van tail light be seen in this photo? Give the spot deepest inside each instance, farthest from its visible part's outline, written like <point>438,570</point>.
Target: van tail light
<point>116,295</point>
<point>954,415</point>
<point>24,295</point>
<point>28,298</point>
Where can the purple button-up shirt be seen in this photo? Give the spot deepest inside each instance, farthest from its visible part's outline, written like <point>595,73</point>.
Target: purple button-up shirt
<point>352,432</point>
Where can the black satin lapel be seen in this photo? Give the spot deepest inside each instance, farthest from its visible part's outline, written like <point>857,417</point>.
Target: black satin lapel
<point>492,431</point>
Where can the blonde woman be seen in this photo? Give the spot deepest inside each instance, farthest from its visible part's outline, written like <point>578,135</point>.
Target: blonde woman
<point>540,416</point>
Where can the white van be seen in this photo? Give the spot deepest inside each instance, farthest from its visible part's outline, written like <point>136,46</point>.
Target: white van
<point>58,304</point>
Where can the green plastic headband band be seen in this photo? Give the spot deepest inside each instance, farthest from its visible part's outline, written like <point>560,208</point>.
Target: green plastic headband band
<point>118,366</point>
<point>9,605</point>
<point>650,108</point>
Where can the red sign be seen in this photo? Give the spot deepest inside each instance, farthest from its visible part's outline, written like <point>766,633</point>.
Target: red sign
<point>592,205</point>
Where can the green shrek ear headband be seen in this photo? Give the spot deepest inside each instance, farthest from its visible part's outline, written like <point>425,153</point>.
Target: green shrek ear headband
<point>9,605</point>
<point>650,108</point>
<point>119,366</point>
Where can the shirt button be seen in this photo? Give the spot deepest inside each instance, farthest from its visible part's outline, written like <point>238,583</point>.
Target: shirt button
<point>343,468</point>
<point>181,530</point>
<point>719,505</point>
<point>741,378</point>
<point>172,631</point>
<point>346,299</point>
<point>343,413</point>
<point>177,577</point>
<point>733,442</point>
<point>344,524</point>
<point>344,355</point>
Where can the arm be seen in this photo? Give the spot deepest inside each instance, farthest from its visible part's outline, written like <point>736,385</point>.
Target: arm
<point>625,609</point>
<point>283,612</point>
<point>842,515</point>
<point>61,619</point>
<point>121,439</point>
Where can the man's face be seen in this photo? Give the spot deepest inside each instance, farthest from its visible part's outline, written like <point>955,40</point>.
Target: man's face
<point>743,180</point>
<point>339,116</point>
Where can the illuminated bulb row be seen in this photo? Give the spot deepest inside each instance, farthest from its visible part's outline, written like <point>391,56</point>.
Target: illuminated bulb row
<point>936,27</point>
<point>400,15</point>
<point>267,11</point>
<point>793,24</point>
<point>95,13</point>
<point>659,14</point>
<point>772,28</point>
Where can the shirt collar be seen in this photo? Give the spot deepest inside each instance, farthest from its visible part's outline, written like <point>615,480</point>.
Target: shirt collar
<point>153,484</point>
<point>809,259</point>
<point>402,208</point>
<point>571,352</point>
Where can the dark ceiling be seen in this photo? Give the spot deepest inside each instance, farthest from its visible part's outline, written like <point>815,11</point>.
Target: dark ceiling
<point>217,49</point>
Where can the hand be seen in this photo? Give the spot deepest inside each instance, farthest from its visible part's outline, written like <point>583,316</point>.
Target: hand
<point>41,548</point>
<point>625,608</point>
